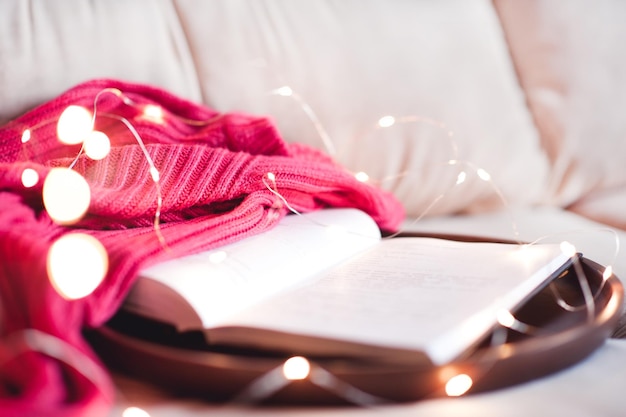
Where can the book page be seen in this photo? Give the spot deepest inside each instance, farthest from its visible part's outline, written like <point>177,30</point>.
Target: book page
<point>430,295</point>
<point>222,282</point>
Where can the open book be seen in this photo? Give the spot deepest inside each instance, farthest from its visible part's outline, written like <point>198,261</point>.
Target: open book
<point>326,283</point>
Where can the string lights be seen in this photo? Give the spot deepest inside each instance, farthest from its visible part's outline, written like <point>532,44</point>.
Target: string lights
<point>77,263</point>
<point>66,193</point>
<point>298,368</point>
<point>286,91</point>
<point>571,251</point>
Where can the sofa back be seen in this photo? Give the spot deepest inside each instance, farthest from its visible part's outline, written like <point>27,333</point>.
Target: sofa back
<point>455,106</point>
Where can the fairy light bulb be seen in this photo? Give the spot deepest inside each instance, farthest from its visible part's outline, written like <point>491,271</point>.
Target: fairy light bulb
<point>74,125</point>
<point>386,121</point>
<point>362,176</point>
<point>153,113</point>
<point>460,179</point>
<point>284,91</point>
<point>26,135</point>
<point>97,145</point>
<point>608,271</point>
<point>135,412</point>
<point>76,264</point>
<point>30,177</point>
<point>296,368</point>
<point>66,195</point>
<point>458,385</point>
<point>483,175</point>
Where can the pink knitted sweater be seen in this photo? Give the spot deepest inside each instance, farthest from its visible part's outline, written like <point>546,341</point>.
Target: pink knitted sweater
<point>212,184</point>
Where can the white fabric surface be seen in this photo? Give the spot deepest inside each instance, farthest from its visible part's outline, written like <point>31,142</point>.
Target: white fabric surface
<point>605,206</point>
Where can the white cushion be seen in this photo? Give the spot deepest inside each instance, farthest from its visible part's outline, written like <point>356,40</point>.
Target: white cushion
<point>571,62</point>
<point>353,62</point>
<point>48,47</point>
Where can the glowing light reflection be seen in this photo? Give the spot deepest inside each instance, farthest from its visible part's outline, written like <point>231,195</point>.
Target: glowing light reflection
<point>386,121</point>
<point>77,264</point>
<point>74,125</point>
<point>362,176</point>
<point>458,385</point>
<point>153,113</point>
<point>97,145</point>
<point>296,368</point>
<point>483,175</point>
<point>30,177</point>
<point>66,195</point>
<point>26,136</point>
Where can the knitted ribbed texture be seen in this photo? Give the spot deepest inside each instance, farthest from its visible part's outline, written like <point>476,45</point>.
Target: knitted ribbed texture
<point>212,183</point>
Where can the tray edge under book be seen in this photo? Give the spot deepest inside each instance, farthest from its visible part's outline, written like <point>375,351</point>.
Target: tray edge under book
<point>222,376</point>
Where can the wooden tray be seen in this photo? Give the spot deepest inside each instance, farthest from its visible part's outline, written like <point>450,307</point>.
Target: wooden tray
<point>184,365</point>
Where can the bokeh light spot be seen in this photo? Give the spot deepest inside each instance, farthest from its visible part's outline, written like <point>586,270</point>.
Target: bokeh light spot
<point>97,145</point>
<point>458,385</point>
<point>296,368</point>
<point>362,176</point>
<point>74,125</point>
<point>77,264</point>
<point>386,121</point>
<point>66,195</point>
<point>26,135</point>
<point>30,177</point>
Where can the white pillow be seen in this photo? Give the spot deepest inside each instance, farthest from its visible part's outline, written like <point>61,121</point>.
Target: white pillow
<point>353,62</point>
<point>48,47</point>
<point>572,63</point>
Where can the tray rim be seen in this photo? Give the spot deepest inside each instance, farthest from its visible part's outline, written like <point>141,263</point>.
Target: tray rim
<point>504,365</point>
